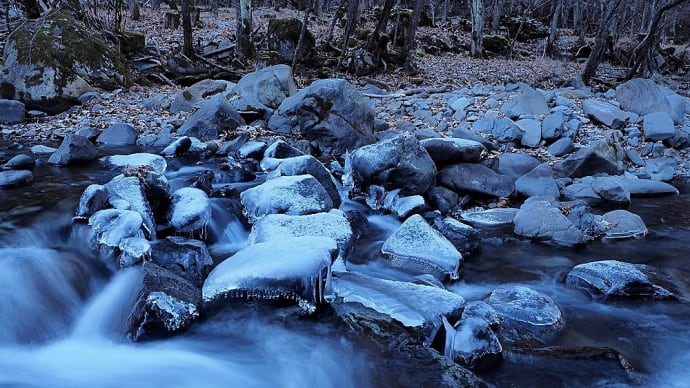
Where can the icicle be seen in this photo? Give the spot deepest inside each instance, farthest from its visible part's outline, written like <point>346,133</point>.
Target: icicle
<point>448,349</point>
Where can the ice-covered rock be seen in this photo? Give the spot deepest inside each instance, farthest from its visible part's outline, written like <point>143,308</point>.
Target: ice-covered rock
<point>307,164</point>
<point>418,248</point>
<point>528,317</point>
<point>152,161</point>
<point>190,211</point>
<point>291,270</point>
<point>127,193</point>
<point>393,309</point>
<point>187,258</point>
<point>333,224</point>
<point>463,237</point>
<point>133,250</point>
<point>292,195</point>
<point>94,198</point>
<point>166,304</point>
<point>111,226</point>
<point>472,343</point>
<point>613,279</point>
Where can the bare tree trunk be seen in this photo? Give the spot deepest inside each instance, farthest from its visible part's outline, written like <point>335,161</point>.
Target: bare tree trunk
<point>477,27</point>
<point>188,45</point>
<point>608,9</point>
<point>374,42</point>
<point>245,46</point>
<point>643,55</point>
<point>551,49</point>
<point>302,32</point>
<point>133,6</point>
<point>352,17</point>
<point>444,12</point>
<point>214,7</point>
<point>496,16</point>
<point>409,41</point>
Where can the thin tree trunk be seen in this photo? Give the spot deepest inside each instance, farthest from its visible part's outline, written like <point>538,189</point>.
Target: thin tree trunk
<point>476,48</point>
<point>188,45</point>
<point>444,12</point>
<point>245,46</point>
<point>608,10</point>
<point>496,16</point>
<point>409,41</point>
<point>551,49</point>
<point>302,32</point>
<point>133,6</point>
<point>374,38</point>
<point>352,17</point>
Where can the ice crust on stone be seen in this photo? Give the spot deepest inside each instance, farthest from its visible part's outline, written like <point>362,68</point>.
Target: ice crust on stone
<point>111,226</point>
<point>284,269</point>
<point>153,161</point>
<point>416,246</point>
<point>191,210</point>
<point>415,306</point>
<point>127,193</point>
<point>173,313</point>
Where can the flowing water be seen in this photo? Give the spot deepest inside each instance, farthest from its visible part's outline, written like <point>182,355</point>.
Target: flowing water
<point>63,314</point>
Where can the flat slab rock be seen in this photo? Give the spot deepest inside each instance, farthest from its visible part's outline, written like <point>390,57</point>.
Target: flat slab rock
<point>417,247</point>
<point>613,279</point>
<point>290,270</point>
<point>393,308</point>
<point>152,161</point>
<point>490,217</point>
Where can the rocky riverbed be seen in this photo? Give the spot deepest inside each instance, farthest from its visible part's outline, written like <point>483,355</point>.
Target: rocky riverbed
<point>314,174</point>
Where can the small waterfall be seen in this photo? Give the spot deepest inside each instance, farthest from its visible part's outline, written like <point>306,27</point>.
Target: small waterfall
<point>227,231</point>
<point>106,314</point>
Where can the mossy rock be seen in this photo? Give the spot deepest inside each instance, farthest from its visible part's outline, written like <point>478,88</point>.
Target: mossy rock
<point>496,43</point>
<point>49,63</point>
<point>283,35</point>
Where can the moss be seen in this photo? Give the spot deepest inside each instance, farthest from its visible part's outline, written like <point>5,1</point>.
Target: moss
<point>288,28</point>
<point>187,95</point>
<point>7,91</point>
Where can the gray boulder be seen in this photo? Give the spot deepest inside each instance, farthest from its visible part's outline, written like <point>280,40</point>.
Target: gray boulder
<point>418,248</point>
<point>649,187</point>
<point>392,309</point>
<point>330,112</point>
<point>516,164</point>
<point>184,257</point>
<point>291,270</point>
<point>20,162</point>
<point>661,169</point>
<point>450,150</point>
<point>307,164</point>
<point>190,211</point>
<point>268,86</point>
<point>333,224</point>
<point>148,161</point>
<point>602,156</point>
<point>178,147</point>
<point>166,304</point>
<point>489,218</point>
<point>561,147</point>
<point>396,163</point>
<point>476,179</point>
<point>504,130</point>
<point>539,181</point>
<point>118,135</point>
<point>528,317</point>
<point>14,178</point>
<point>463,237</point>
<point>214,116</point>
<point>658,126</point>
<point>607,113</point>
<point>292,195</point>
<point>624,224</point>
<point>540,218</point>
<point>613,279</point>
<point>553,126</point>
<point>11,111</point>
<point>529,102</point>
<point>185,100</point>
<point>472,343</point>
<point>642,96</point>
<point>532,132</point>
<point>73,149</point>
<point>611,189</point>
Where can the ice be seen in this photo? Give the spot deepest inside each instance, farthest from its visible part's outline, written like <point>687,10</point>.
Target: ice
<point>191,210</point>
<point>113,225</point>
<point>279,269</point>
<point>177,312</point>
<point>156,162</point>
<point>127,193</point>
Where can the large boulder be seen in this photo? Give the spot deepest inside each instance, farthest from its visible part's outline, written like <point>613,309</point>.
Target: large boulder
<point>214,117</point>
<point>268,87</point>
<point>624,224</point>
<point>185,100</point>
<point>330,112</point>
<point>392,309</point>
<point>190,211</point>
<point>11,111</point>
<point>396,163</point>
<point>418,248</point>
<point>292,195</point>
<point>529,102</point>
<point>14,178</point>
<point>606,113</point>
<point>118,135</point>
<point>287,271</point>
<point>128,193</point>
<point>504,130</point>
<point>601,156</point>
<point>187,258</point>
<point>448,150</point>
<point>613,279</point>
<point>541,219</point>
<point>307,164</point>
<point>73,149</point>
<point>539,181</point>
<point>642,96</point>
<point>527,317</point>
<point>476,179</point>
<point>50,62</point>
<point>658,126</point>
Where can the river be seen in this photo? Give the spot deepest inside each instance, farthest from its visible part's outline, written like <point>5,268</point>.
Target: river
<point>62,313</point>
